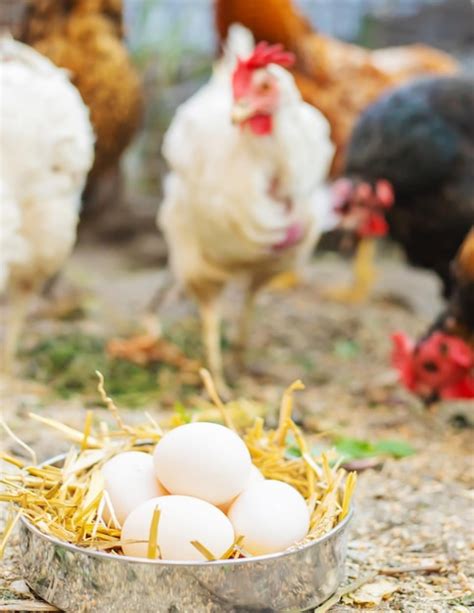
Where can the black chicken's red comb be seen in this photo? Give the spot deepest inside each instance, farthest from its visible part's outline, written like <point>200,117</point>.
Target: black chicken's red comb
<point>265,54</point>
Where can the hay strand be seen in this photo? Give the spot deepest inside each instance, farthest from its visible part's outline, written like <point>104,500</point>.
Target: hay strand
<point>214,396</point>
<point>18,440</point>
<point>153,551</point>
<point>107,400</point>
<point>210,557</point>
<point>286,410</point>
<point>10,525</point>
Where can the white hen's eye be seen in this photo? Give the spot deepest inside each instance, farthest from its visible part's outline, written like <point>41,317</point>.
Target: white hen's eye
<point>264,86</point>
<point>263,82</point>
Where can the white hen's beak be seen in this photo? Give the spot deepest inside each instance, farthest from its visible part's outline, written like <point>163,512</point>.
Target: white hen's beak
<point>241,111</point>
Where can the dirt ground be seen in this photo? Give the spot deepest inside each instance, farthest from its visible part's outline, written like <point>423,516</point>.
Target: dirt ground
<point>414,519</point>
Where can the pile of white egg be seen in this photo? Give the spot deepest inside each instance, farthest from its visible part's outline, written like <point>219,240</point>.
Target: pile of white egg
<point>202,479</point>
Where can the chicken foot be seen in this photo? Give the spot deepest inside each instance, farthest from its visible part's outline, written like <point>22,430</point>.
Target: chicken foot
<point>163,296</point>
<point>285,281</point>
<point>364,276</point>
<point>245,321</point>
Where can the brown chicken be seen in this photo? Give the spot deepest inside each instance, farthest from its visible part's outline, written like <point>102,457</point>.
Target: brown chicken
<point>338,78</point>
<point>458,318</point>
<point>86,37</point>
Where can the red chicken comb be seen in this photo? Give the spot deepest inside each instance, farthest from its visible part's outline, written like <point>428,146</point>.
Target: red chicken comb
<point>402,358</point>
<point>265,54</point>
<point>363,206</point>
<point>262,55</point>
<point>439,366</point>
<point>384,192</point>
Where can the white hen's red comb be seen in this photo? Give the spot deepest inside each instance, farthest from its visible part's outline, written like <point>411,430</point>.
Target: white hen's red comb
<point>265,54</point>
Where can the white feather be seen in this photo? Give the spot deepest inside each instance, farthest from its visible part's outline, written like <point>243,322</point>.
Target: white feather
<point>239,44</point>
<point>218,214</point>
<point>46,151</point>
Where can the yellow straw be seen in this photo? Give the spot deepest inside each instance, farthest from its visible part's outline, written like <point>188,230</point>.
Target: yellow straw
<point>153,548</point>
<point>210,557</point>
<point>18,440</point>
<point>214,396</point>
<point>286,410</point>
<point>87,429</point>
<point>8,530</point>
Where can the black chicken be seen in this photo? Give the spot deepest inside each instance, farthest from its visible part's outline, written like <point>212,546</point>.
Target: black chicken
<point>441,363</point>
<point>409,172</point>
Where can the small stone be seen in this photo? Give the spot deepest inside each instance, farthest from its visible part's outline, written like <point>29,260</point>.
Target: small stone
<point>20,587</point>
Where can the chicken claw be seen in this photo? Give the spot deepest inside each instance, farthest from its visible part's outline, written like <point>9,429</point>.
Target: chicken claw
<point>285,281</point>
<point>364,277</point>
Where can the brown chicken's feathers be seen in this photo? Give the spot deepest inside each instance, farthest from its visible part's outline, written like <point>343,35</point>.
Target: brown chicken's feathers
<point>85,37</point>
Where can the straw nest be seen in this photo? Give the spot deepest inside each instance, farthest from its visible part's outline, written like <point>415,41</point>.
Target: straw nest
<point>68,501</point>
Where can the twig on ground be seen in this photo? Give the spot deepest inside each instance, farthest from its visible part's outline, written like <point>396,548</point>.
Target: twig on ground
<point>25,605</point>
<point>109,403</point>
<point>401,570</point>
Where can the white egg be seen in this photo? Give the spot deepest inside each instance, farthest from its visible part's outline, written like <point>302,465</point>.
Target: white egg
<point>129,480</point>
<point>182,519</point>
<point>203,460</point>
<point>271,516</point>
<point>254,477</point>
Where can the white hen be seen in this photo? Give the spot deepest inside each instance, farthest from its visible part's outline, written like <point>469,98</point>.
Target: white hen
<point>248,158</point>
<point>46,151</point>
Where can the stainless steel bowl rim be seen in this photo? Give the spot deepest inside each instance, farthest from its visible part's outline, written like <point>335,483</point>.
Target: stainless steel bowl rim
<point>181,563</point>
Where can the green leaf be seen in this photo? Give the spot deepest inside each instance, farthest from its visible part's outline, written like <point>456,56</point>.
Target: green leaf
<point>292,452</point>
<point>397,449</point>
<point>467,600</point>
<point>352,448</point>
<point>346,349</point>
<point>306,362</point>
<point>183,412</point>
<point>66,363</point>
<point>356,449</point>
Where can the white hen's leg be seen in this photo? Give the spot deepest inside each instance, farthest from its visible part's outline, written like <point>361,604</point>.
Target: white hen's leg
<point>212,338</point>
<point>257,283</point>
<point>245,322</point>
<point>17,308</point>
<point>163,296</point>
<point>207,295</point>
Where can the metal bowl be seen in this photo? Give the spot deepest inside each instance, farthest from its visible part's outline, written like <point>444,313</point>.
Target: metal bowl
<point>75,579</point>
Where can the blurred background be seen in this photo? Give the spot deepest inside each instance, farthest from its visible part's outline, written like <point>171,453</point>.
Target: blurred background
<point>135,61</point>
<point>173,42</point>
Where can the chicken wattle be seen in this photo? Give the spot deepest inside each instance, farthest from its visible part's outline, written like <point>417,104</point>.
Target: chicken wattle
<point>440,366</point>
<point>294,234</point>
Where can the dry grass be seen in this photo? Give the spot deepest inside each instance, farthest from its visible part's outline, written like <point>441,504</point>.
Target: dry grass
<point>68,501</point>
